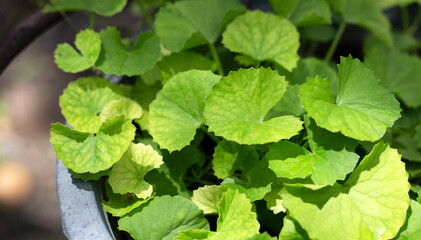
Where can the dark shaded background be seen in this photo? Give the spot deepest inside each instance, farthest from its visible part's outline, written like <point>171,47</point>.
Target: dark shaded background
<point>29,91</point>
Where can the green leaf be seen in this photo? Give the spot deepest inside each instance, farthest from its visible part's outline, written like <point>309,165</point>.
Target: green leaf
<point>178,109</point>
<point>398,72</point>
<point>362,110</point>
<point>116,59</point>
<point>124,106</point>
<point>285,149</point>
<point>390,3</point>
<point>325,167</point>
<point>311,67</point>
<point>181,62</point>
<point>209,16</point>
<point>236,220</point>
<point>321,138</point>
<point>239,103</point>
<point>324,33</point>
<point>292,230</point>
<point>263,36</point>
<point>405,42</point>
<point>163,218</point>
<point>255,183</point>
<point>179,161</point>
<point>407,145</point>
<point>245,60</point>
<point>291,102</point>
<point>127,175</point>
<point>101,7</point>
<point>144,94</point>
<point>366,14</point>
<point>176,32</point>
<point>410,117</point>
<point>186,24</point>
<point>262,236</point>
<point>208,197</point>
<point>411,230</point>
<point>119,205</point>
<point>195,235</point>
<point>69,60</point>
<point>83,100</point>
<point>303,12</point>
<point>231,156</point>
<point>200,234</point>
<point>84,152</point>
<point>163,184</point>
<point>274,201</point>
<point>371,204</point>
<point>87,176</point>
<point>252,191</point>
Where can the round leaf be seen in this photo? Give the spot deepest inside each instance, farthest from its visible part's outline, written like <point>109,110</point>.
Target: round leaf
<point>83,100</point>
<point>84,152</point>
<point>362,110</point>
<point>398,71</point>
<point>183,61</point>
<point>128,173</point>
<point>303,12</point>
<point>231,156</point>
<point>163,218</point>
<point>208,197</point>
<point>371,204</point>
<point>186,24</point>
<point>69,60</point>
<point>124,106</point>
<point>102,7</point>
<point>178,109</point>
<point>238,104</point>
<point>325,167</point>
<point>116,59</point>
<point>263,36</point>
<point>236,220</point>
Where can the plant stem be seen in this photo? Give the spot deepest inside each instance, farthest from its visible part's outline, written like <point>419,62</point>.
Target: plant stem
<point>415,24</point>
<point>198,181</point>
<point>405,18</point>
<point>92,20</point>
<point>69,22</point>
<point>335,41</point>
<point>147,16</point>
<point>211,135</point>
<point>216,59</point>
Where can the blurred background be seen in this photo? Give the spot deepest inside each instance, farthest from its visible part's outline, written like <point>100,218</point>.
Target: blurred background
<point>29,90</point>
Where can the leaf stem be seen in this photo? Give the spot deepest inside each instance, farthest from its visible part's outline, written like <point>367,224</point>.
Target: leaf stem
<point>69,22</point>
<point>206,169</point>
<point>335,41</point>
<point>211,135</point>
<point>147,16</point>
<point>415,24</point>
<point>92,20</point>
<point>405,18</point>
<point>216,58</point>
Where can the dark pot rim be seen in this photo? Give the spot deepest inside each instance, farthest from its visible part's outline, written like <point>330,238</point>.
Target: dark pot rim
<point>82,215</point>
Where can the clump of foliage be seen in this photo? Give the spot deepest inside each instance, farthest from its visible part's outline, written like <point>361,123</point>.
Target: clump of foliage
<point>235,128</point>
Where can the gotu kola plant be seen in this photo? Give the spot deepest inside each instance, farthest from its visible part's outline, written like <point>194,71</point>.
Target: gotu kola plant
<point>234,127</point>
